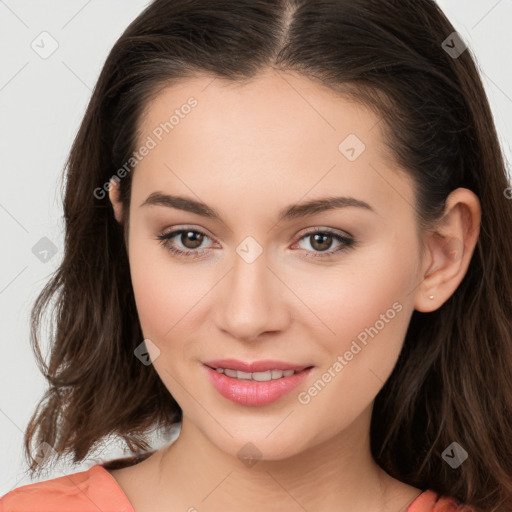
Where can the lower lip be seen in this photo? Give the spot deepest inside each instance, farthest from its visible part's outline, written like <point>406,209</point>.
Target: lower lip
<point>251,392</point>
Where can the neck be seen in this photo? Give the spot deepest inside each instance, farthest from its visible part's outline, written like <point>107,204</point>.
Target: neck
<point>338,474</point>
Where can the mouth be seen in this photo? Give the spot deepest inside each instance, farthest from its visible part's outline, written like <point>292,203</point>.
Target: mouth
<point>261,371</point>
<point>257,383</point>
<point>264,376</point>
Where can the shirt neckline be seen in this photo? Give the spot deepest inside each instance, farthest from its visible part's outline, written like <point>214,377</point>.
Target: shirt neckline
<point>116,488</point>
<point>423,498</point>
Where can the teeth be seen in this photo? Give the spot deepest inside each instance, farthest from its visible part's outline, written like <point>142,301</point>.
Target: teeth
<point>258,376</point>
<point>265,376</point>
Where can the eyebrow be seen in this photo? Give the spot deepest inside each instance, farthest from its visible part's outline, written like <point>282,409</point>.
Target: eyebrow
<point>294,211</point>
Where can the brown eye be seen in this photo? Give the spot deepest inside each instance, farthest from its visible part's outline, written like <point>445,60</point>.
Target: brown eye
<point>321,241</point>
<point>188,242</point>
<point>191,239</point>
<point>184,242</point>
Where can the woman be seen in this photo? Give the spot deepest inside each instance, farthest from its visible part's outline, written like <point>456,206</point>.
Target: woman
<point>287,232</point>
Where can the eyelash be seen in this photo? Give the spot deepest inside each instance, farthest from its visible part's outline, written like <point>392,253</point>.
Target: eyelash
<point>347,243</point>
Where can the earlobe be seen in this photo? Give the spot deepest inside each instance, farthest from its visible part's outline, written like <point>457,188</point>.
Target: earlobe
<point>450,248</point>
<point>113,194</point>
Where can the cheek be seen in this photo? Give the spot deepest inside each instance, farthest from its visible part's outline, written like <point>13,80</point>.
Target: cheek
<point>160,293</point>
<point>168,295</point>
<point>164,299</point>
<point>368,312</point>
<point>366,308</point>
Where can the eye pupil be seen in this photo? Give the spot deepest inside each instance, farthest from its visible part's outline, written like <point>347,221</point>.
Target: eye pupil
<point>197,239</point>
<point>316,238</point>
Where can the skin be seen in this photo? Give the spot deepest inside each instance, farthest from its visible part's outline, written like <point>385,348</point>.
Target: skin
<point>248,151</point>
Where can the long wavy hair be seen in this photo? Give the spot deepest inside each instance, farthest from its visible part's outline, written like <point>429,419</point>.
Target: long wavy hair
<point>453,378</point>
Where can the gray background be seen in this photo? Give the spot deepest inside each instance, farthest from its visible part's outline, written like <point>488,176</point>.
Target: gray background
<point>42,101</point>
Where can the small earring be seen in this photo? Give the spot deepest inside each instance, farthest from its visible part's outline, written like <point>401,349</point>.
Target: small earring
<point>431,297</point>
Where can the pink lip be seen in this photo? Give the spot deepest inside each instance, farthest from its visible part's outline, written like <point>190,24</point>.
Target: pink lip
<point>255,366</point>
<point>254,393</point>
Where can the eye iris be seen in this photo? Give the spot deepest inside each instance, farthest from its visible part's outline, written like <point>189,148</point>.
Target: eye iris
<point>197,239</point>
<point>316,238</point>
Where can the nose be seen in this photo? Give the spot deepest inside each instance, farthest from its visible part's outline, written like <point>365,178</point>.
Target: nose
<point>253,302</point>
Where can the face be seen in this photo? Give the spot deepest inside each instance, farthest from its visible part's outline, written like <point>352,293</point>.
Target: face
<point>331,290</point>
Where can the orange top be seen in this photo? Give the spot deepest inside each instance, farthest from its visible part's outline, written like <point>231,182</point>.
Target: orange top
<point>96,489</point>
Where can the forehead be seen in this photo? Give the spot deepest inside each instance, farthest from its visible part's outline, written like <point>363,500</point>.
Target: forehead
<point>279,134</point>
<point>274,107</point>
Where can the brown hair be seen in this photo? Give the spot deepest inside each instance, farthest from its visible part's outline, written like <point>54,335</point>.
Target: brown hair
<point>453,379</point>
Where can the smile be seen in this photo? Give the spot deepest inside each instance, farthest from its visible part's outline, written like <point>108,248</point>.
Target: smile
<point>255,388</point>
<point>258,376</point>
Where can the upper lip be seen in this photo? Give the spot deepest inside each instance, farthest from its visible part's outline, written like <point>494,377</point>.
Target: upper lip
<point>254,366</point>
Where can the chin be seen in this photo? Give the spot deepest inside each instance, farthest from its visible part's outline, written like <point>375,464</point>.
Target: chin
<point>261,447</point>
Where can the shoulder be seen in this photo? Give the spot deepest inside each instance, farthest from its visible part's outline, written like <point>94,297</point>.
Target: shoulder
<point>429,501</point>
<point>86,491</point>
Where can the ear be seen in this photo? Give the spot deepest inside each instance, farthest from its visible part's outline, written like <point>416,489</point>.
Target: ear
<point>448,250</point>
<point>113,194</point>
